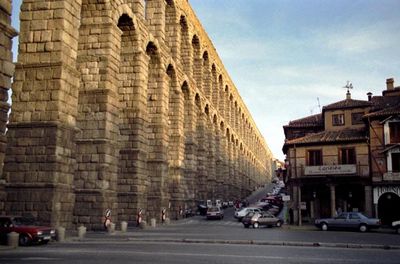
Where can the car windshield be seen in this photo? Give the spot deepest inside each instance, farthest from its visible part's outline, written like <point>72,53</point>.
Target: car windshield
<point>24,221</point>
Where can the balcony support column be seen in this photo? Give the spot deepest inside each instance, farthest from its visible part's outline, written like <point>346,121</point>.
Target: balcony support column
<point>333,200</point>
<point>368,200</point>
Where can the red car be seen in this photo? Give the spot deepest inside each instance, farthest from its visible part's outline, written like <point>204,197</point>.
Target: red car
<point>29,232</point>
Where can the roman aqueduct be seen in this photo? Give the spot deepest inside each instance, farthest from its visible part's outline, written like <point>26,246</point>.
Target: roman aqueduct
<point>122,104</point>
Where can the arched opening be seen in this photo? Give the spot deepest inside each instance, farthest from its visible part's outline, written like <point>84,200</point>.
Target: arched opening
<point>197,62</point>
<point>208,78</point>
<point>129,127</point>
<point>186,50</point>
<point>171,28</point>
<point>389,208</point>
<point>157,168</point>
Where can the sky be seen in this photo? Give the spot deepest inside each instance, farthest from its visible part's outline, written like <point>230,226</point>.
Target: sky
<point>288,58</point>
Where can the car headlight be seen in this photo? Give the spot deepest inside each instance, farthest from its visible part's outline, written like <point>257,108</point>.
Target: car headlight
<point>40,233</point>
<point>52,232</point>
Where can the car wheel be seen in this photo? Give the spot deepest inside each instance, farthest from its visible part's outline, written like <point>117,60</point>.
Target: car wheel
<point>363,228</point>
<point>279,224</point>
<point>398,230</point>
<point>24,240</point>
<point>255,225</point>
<point>324,227</point>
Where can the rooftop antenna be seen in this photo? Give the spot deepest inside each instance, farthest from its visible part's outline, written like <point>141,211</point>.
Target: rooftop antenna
<point>319,104</point>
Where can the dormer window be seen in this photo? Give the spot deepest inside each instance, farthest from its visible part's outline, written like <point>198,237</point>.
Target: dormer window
<point>356,118</point>
<point>338,120</point>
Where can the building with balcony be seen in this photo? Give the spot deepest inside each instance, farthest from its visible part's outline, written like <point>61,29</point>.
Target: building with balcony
<point>346,158</point>
<point>327,157</point>
<point>384,134</point>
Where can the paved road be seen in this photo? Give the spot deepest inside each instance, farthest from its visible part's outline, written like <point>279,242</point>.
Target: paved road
<point>176,253</point>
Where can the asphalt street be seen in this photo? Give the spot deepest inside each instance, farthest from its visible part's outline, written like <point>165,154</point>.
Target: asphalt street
<point>100,252</point>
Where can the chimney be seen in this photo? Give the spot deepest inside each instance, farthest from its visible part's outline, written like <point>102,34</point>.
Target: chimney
<point>389,84</point>
<point>369,96</point>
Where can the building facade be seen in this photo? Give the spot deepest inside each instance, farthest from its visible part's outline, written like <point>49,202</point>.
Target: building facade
<point>124,105</point>
<point>342,159</point>
<point>384,134</point>
<point>328,163</point>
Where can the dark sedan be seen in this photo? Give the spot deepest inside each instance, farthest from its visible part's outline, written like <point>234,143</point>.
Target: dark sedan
<point>348,220</point>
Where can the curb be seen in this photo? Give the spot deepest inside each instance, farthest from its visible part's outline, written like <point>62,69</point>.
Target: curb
<point>248,242</point>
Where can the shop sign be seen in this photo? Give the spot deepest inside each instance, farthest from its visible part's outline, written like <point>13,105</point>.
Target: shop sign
<point>378,191</point>
<point>330,169</point>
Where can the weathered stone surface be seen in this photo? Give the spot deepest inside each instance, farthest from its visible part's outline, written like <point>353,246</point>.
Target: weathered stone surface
<point>116,107</point>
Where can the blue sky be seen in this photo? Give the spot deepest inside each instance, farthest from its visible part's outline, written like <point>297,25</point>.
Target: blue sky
<point>284,54</point>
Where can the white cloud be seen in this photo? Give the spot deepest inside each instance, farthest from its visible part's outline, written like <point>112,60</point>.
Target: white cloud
<point>353,40</point>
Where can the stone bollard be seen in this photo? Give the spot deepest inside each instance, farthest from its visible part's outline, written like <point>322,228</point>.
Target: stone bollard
<point>153,222</point>
<point>81,232</point>
<point>143,225</point>
<point>12,239</point>
<point>111,228</point>
<point>60,234</point>
<point>124,226</point>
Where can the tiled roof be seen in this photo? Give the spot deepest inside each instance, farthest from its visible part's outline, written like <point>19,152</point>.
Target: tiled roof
<point>309,121</point>
<point>395,110</point>
<point>347,103</point>
<point>384,106</point>
<point>330,137</point>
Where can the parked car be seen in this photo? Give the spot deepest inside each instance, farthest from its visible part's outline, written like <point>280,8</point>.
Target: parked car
<point>348,220</point>
<point>244,211</point>
<point>215,212</point>
<point>29,232</point>
<point>246,220</point>
<point>396,226</point>
<point>261,219</point>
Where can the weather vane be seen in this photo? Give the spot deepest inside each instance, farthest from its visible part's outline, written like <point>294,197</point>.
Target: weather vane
<point>349,85</point>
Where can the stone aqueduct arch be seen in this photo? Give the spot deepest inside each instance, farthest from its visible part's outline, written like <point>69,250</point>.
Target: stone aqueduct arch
<point>124,104</point>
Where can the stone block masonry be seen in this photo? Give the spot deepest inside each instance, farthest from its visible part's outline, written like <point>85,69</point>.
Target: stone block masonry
<point>7,33</point>
<point>122,105</point>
